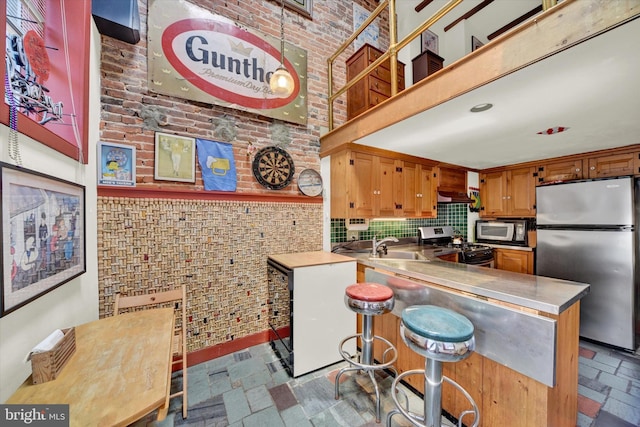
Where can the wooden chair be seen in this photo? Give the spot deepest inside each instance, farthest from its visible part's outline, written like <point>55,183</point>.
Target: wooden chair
<point>159,299</point>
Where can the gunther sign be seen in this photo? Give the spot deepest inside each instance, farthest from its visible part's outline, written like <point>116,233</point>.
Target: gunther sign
<point>196,55</point>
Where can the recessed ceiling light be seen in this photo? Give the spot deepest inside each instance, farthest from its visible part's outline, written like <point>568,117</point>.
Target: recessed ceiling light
<point>481,107</point>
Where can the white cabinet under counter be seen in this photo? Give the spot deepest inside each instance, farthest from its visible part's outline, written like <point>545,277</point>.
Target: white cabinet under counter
<point>307,314</point>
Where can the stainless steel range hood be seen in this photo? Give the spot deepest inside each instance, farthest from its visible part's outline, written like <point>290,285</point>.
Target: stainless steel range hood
<point>453,197</point>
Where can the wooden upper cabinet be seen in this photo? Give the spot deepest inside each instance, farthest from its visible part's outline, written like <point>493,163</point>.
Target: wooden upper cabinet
<point>508,193</point>
<point>411,182</point>
<point>559,171</point>
<point>364,185</point>
<point>373,88</point>
<point>493,193</point>
<point>419,190</point>
<point>387,196</point>
<point>613,165</point>
<point>521,200</point>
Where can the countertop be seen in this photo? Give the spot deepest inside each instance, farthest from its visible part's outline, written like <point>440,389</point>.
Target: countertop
<point>545,294</point>
<point>307,259</point>
<point>512,247</point>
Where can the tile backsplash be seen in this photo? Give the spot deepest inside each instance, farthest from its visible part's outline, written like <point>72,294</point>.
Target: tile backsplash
<point>454,215</point>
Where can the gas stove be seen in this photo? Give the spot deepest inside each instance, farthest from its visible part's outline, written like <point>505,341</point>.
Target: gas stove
<point>469,253</point>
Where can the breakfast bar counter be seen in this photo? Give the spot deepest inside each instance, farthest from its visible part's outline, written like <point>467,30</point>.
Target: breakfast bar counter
<point>524,290</point>
<point>525,368</point>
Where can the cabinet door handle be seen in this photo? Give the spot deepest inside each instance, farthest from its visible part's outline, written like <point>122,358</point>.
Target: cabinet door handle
<point>592,168</point>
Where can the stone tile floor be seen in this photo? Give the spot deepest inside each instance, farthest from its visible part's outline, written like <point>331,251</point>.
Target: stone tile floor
<point>250,388</point>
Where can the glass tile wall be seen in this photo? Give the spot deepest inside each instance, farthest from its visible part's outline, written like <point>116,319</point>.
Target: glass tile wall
<point>454,215</point>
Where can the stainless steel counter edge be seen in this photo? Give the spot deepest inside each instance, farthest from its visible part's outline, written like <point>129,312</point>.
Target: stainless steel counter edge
<point>534,292</point>
<point>512,247</point>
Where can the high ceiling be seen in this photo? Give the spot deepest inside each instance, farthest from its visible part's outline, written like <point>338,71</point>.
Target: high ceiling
<point>592,89</point>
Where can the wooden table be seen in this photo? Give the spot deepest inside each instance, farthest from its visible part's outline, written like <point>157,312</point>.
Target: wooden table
<point>120,371</point>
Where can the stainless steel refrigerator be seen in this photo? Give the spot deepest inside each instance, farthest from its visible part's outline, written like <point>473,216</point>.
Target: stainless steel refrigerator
<point>587,232</point>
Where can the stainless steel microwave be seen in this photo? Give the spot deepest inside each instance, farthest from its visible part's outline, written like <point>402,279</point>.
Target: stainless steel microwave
<point>505,232</point>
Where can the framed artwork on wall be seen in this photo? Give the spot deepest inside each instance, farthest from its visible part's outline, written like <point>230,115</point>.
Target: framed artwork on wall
<point>116,164</point>
<point>303,7</point>
<point>475,43</point>
<point>43,234</point>
<point>47,73</point>
<point>429,41</point>
<point>175,158</point>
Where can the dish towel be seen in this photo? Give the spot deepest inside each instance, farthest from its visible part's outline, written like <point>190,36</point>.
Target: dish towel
<point>217,165</point>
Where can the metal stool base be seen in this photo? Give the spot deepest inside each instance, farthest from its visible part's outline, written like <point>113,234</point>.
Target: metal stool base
<point>419,420</point>
<point>366,367</point>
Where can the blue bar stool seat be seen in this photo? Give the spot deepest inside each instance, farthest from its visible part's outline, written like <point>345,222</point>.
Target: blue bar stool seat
<point>440,335</point>
<point>369,300</point>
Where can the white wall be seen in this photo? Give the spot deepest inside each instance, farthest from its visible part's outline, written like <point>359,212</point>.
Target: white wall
<point>456,42</point>
<point>76,301</point>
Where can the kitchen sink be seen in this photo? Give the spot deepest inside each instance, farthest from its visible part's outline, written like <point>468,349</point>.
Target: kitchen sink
<point>404,255</point>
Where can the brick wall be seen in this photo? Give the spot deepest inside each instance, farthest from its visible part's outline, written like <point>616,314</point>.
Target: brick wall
<point>131,114</point>
<point>148,244</point>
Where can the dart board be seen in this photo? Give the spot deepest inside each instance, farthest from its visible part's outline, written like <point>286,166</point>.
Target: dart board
<point>273,168</point>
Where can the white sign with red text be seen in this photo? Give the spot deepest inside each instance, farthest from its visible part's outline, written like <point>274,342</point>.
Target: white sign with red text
<point>196,55</point>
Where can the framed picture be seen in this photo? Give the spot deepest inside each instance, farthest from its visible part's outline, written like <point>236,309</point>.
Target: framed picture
<point>47,71</point>
<point>303,7</point>
<point>475,43</point>
<point>429,41</point>
<point>43,235</point>
<point>175,158</point>
<point>116,164</point>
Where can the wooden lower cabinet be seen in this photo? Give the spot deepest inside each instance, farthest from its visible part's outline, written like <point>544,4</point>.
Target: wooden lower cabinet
<point>514,260</point>
<point>504,397</point>
<point>449,257</point>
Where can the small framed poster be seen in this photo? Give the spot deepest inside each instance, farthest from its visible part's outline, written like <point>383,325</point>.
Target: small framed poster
<point>429,41</point>
<point>116,164</point>
<point>175,158</point>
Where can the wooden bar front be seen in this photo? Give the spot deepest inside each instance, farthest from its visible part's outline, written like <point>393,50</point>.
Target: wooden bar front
<point>504,397</point>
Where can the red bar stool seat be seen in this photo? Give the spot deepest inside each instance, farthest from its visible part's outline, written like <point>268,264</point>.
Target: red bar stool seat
<point>368,300</point>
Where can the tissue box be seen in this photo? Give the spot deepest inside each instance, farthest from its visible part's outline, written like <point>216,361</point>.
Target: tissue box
<point>47,366</point>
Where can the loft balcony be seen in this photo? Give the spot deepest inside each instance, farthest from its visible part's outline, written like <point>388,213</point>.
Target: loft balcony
<point>572,65</point>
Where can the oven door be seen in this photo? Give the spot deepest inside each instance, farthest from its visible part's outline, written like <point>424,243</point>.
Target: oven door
<point>489,264</point>
<point>481,258</point>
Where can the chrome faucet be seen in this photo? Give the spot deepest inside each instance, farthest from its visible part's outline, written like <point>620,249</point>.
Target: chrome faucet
<point>376,244</point>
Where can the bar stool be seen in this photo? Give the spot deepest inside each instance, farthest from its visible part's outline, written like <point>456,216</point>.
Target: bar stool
<point>369,300</point>
<point>440,335</point>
